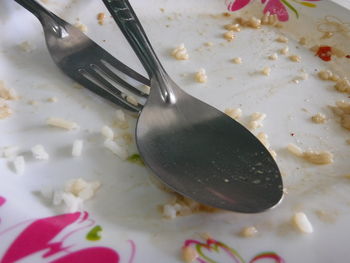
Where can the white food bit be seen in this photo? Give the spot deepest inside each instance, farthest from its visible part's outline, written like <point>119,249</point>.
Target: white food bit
<point>10,151</point>
<point>120,115</point>
<point>342,109</point>
<point>62,123</point>
<point>343,85</point>
<point>81,188</point>
<point>274,56</point>
<point>39,152</point>
<point>254,22</point>
<point>234,113</point>
<point>52,99</point>
<point>201,76</point>
<point>273,154</point>
<point>189,254</point>
<point>266,71</point>
<point>6,93</point>
<point>83,28</point>
<point>284,51</point>
<point>269,19</point>
<point>263,138</point>
<point>302,76</point>
<point>229,35</point>
<point>77,148</point>
<point>19,164</point>
<point>328,75</point>
<point>295,58</point>
<point>237,60</point>
<point>47,192</point>
<point>72,203</point>
<point>233,27</point>
<point>282,39</point>
<point>180,52</point>
<point>57,197</point>
<point>302,223</point>
<point>132,100</point>
<point>249,231</point>
<point>319,158</point>
<point>146,89</point>
<point>170,211</point>
<point>256,120</point>
<point>319,118</point>
<point>118,150</point>
<point>26,46</point>
<point>107,132</point>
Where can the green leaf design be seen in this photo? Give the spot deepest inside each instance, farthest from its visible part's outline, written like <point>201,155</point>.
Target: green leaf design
<point>94,234</point>
<point>291,7</point>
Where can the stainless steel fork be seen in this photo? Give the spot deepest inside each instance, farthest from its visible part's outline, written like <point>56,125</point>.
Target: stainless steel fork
<point>86,62</point>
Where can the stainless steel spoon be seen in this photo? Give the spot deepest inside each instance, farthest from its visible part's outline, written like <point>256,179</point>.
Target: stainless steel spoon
<point>192,147</point>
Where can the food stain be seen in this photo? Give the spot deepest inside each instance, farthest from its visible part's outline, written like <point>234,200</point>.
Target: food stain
<point>94,234</point>
<point>324,53</point>
<point>135,158</point>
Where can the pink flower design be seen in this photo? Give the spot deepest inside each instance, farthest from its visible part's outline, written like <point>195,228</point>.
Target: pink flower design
<point>273,7</point>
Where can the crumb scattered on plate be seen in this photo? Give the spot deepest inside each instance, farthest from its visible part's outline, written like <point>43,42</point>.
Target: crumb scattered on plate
<point>319,158</point>
<point>302,223</point>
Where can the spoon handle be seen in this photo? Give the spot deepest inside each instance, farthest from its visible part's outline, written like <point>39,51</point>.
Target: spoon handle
<point>132,29</point>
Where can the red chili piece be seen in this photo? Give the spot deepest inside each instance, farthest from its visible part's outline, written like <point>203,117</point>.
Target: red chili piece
<point>347,56</point>
<point>325,53</point>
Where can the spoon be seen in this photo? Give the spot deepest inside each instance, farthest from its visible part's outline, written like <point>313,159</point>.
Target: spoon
<point>195,149</point>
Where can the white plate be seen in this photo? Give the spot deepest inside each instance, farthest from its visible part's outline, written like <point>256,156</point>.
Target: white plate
<point>126,205</point>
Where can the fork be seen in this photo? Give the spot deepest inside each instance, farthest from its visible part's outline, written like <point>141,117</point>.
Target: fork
<point>86,62</point>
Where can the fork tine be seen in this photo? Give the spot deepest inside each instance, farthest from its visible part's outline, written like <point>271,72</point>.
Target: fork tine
<point>111,94</point>
<point>123,68</point>
<point>109,73</point>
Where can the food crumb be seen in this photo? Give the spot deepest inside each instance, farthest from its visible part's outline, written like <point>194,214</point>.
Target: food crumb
<point>229,35</point>
<point>107,132</point>
<point>52,99</point>
<point>5,111</point>
<point>342,109</point>
<point>284,51</point>
<point>327,35</point>
<point>62,123</point>
<point>319,118</point>
<point>274,56</point>
<point>201,76</point>
<point>249,231</point>
<point>266,71</point>
<point>83,28</point>
<point>39,152</point>
<point>295,58</point>
<point>132,100</point>
<point>343,85</point>
<point>6,93</point>
<point>237,60</point>
<point>118,150</point>
<point>208,44</point>
<point>256,120</point>
<point>26,46</point>
<point>234,113</point>
<point>319,158</point>
<point>180,52</point>
<point>189,254</point>
<point>77,148</point>
<point>302,41</point>
<point>282,39</point>
<point>100,18</point>
<point>81,188</point>
<point>19,164</point>
<point>233,27</point>
<point>269,19</point>
<point>121,121</point>
<point>254,22</point>
<point>302,223</point>
<point>327,75</point>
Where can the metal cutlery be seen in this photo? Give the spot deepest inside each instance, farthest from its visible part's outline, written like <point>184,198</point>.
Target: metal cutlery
<point>192,147</point>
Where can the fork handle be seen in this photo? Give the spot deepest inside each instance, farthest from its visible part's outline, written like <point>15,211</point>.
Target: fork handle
<point>132,29</point>
<point>34,7</point>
